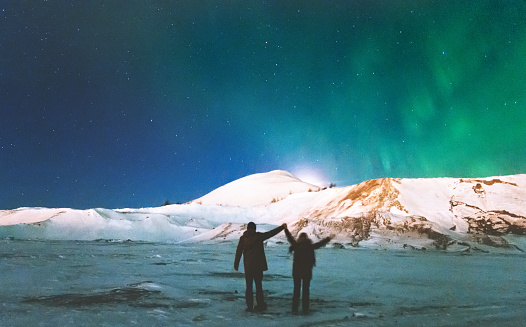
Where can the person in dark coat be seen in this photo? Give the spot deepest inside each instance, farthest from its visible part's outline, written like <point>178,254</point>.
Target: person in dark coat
<point>304,261</point>
<point>251,247</point>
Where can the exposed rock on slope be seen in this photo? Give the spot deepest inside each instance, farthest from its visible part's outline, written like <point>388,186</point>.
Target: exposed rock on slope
<point>444,211</point>
<point>373,195</point>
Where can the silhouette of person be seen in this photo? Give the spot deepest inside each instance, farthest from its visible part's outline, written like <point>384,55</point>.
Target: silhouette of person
<point>251,247</point>
<point>303,262</point>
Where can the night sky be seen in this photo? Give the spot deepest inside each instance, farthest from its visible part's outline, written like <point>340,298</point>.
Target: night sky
<point>131,103</point>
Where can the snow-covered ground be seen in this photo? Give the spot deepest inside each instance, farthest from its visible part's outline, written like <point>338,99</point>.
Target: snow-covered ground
<point>71,283</point>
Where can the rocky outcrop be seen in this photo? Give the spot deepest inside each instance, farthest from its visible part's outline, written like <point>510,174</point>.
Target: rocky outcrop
<point>496,223</point>
<point>480,212</point>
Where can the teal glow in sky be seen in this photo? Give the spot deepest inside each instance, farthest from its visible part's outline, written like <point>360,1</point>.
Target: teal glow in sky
<point>128,104</point>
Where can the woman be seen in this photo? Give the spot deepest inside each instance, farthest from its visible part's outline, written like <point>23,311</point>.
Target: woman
<point>304,261</point>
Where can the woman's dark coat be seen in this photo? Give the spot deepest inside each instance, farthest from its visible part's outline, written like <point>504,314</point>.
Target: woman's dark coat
<point>304,258</point>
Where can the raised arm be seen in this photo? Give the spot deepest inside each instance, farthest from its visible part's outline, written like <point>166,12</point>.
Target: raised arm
<point>290,238</point>
<point>321,243</point>
<point>273,232</point>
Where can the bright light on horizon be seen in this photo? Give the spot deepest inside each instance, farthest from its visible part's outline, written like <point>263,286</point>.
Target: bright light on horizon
<point>311,175</point>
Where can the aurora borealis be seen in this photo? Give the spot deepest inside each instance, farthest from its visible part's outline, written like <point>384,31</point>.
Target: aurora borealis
<point>131,103</point>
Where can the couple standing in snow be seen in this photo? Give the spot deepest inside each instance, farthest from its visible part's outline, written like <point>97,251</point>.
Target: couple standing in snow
<point>251,247</point>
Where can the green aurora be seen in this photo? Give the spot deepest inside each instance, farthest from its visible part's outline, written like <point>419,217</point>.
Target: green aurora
<point>153,99</point>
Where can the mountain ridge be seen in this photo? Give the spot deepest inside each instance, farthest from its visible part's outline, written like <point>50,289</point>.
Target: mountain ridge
<point>423,213</point>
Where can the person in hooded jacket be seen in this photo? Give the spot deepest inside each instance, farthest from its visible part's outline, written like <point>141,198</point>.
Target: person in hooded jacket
<point>251,247</point>
<point>303,262</point>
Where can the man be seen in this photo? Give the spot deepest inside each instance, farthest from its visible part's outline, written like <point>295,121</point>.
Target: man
<point>304,261</point>
<point>251,247</point>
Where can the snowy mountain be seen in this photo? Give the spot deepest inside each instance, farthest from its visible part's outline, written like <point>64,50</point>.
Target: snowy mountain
<point>257,189</point>
<point>436,213</point>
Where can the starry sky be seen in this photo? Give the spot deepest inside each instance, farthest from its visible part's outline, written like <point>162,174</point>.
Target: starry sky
<point>121,104</point>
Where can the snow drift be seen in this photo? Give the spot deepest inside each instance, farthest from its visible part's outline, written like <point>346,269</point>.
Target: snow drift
<point>442,213</point>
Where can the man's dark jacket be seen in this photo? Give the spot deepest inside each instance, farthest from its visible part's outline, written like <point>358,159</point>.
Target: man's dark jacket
<point>304,258</point>
<point>252,248</point>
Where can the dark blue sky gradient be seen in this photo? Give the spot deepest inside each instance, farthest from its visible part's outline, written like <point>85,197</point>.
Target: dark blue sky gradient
<point>131,103</point>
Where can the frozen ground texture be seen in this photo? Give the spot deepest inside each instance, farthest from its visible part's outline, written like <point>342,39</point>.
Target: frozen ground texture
<point>66,283</point>
<point>454,214</point>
